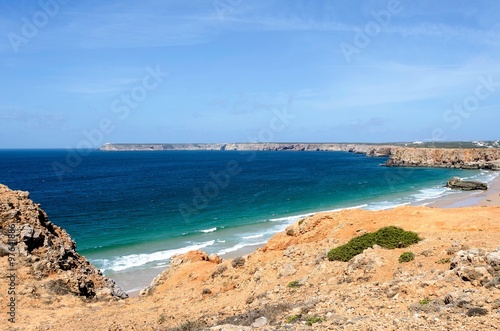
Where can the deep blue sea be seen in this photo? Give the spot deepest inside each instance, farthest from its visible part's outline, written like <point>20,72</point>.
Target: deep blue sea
<point>129,212</point>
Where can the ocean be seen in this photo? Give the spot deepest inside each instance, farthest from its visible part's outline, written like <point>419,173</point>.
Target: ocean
<point>129,212</point>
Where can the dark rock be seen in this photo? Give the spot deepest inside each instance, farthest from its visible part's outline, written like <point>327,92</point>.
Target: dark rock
<point>238,262</point>
<point>477,312</point>
<point>457,183</point>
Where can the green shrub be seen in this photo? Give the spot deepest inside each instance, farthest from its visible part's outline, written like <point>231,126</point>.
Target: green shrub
<point>393,237</point>
<point>294,284</point>
<point>352,248</point>
<point>425,301</point>
<point>406,257</point>
<point>389,237</point>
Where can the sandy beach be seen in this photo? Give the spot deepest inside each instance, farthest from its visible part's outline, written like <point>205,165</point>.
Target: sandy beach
<point>491,197</point>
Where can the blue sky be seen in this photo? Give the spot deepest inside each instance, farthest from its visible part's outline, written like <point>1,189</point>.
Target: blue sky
<point>81,73</point>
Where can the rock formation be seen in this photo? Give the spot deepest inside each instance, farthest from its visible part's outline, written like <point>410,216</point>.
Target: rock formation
<point>46,252</point>
<point>457,183</point>
<point>466,158</point>
<point>369,150</point>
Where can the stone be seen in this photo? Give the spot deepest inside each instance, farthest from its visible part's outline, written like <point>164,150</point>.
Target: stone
<point>457,183</point>
<point>260,322</point>
<point>238,262</point>
<point>287,270</point>
<point>477,312</point>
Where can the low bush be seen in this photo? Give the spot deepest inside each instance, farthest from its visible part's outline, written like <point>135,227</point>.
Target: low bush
<point>389,237</point>
<point>294,284</point>
<point>406,257</point>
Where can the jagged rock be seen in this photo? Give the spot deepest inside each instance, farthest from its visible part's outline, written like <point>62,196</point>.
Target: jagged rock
<point>48,251</point>
<point>478,267</point>
<point>457,183</point>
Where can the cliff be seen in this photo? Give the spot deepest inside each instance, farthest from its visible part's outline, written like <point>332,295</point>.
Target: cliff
<point>42,256</point>
<point>370,150</point>
<point>467,158</point>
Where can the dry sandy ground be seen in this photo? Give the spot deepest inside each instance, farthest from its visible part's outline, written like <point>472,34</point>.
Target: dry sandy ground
<point>342,296</point>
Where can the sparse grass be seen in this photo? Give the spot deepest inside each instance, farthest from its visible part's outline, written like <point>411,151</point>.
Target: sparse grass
<point>293,318</point>
<point>443,261</point>
<point>406,257</point>
<point>425,301</point>
<point>294,284</point>
<point>312,320</point>
<point>390,237</point>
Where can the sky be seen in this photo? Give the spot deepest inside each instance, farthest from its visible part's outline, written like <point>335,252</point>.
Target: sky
<point>77,74</point>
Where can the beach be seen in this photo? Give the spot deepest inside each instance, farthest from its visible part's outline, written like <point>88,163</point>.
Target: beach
<point>490,197</point>
<point>455,199</point>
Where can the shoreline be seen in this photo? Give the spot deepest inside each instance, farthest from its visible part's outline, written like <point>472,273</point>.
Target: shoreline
<point>490,197</point>
<point>463,199</point>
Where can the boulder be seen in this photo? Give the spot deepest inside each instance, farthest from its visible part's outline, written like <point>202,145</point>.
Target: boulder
<point>457,183</point>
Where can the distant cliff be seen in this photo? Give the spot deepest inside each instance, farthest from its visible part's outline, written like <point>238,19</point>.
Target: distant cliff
<point>370,150</point>
<point>467,158</point>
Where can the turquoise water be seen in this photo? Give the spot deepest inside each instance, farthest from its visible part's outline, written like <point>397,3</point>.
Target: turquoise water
<point>129,212</point>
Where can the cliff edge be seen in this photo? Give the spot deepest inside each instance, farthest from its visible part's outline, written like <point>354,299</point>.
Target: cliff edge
<point>41,258</point>
<point>466,158</point>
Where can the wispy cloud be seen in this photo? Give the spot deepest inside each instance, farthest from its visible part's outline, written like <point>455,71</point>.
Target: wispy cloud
<point>33,120</point>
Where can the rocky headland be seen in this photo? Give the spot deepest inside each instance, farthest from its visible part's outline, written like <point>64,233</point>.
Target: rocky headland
<point>452,282</point>
<point>459,158</point>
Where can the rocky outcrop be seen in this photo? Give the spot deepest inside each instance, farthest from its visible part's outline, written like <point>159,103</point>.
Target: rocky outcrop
<point>46,252</point>
<point>466,158</point>
<point>478,267</point>
<point>459,184</point>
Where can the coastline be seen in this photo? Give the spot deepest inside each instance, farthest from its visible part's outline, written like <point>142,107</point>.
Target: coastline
<point>217,294</point>
<point>488,198</point>
<point>463,199</point>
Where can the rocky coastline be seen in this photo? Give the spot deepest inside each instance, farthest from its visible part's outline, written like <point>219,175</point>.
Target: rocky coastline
<point>458,158</point>
<point>367,149</point>
<point>452,282</point>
